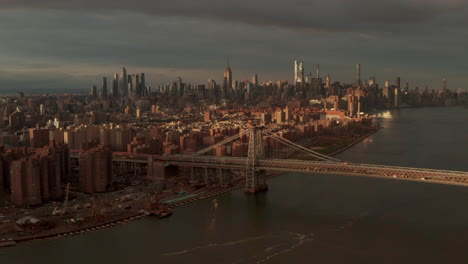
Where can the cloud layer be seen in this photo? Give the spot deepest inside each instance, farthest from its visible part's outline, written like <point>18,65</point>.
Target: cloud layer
<point>422,41</point>
<point>318,15</point>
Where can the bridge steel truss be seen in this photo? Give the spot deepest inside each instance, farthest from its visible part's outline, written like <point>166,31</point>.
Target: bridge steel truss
<point>256,164</point>
<point>255,176</point>
<point>320,167</point>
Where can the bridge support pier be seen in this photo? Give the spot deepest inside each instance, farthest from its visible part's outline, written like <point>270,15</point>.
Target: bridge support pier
<point>256,183</point>
<point>224,176</point>
<point>206,179</point>
<point>123,169</point>
<point>219,174</point>
<point>192,175</point>
<point>156,170</point>
<point>227,177</point>
<point>255,179</point>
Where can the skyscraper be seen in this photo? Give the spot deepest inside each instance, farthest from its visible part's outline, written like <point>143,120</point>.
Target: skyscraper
<point>255,80</point>
<point>327,82</point>
<point>123,83</point>
<point>212,92</point>
<point>397,82</point>
<point>104,88</point>
<point>228,77</point>
<point>130,77</point>
<point>115,86</point>
<point>93,92</point>
<point>351,104</point>
<point>135,86</point>
<point>142,84</point>
<point>211,84</point>
<point>396,96</point>
<point>295,71</point>
<point>298,73</point>
<point>179,87</point>
<point>386,90</point>
<point>307,78</point>
<point>358,73</point>
<point>318,71</point>
<point>444,84</point>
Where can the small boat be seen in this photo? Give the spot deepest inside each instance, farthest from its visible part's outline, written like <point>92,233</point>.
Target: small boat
<point>161,212</point>
<point>157,209</point>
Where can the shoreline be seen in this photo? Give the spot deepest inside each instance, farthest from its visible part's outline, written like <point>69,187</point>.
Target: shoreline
<point>336,152</point>
<point>132,216</point>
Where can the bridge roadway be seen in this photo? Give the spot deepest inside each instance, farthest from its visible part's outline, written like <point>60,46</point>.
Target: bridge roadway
<point>306,166</point>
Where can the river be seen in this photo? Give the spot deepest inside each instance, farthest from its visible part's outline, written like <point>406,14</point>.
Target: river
<point>308,218</point>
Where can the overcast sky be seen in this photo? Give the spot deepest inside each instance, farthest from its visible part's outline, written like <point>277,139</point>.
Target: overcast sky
<point>70,44</point>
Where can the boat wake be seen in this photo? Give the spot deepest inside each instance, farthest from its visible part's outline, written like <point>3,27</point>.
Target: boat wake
<point>261,249</point>
<point>230,243</point>
<point>264,247</point>
<point>297,241</point>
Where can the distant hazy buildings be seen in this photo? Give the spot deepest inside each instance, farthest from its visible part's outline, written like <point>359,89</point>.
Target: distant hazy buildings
<point>124,86</point>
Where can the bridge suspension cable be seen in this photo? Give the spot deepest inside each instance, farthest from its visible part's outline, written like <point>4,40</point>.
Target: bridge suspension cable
<point>222,142</point>
<point>302,149</point>
<point>270,134</point>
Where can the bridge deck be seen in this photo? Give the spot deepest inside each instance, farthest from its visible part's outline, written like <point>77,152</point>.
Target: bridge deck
<point>292,165</point>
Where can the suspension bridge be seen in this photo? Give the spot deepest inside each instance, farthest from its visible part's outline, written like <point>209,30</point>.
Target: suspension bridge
<point>282,156</point>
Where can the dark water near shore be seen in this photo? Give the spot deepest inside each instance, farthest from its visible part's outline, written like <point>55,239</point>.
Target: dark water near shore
<point>307,218</point>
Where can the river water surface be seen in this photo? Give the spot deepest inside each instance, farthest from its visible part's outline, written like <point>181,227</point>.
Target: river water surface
<point>308,218</point>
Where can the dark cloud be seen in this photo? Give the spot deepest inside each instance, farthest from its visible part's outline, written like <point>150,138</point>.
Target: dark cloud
<point>324,15</point>
<point>420,40</point>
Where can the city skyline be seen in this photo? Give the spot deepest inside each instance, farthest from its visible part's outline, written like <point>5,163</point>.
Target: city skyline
<point>114,80</point>
<point>267,131</point>
<point>52,46</point>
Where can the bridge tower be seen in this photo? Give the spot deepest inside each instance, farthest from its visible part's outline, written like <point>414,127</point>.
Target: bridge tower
<point>255,179</point>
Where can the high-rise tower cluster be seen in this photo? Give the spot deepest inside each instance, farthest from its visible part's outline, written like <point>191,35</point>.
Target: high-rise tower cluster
<point>132,86</point>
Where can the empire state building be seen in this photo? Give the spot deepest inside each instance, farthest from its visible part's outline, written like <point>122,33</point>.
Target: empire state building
<point>228,77</point>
